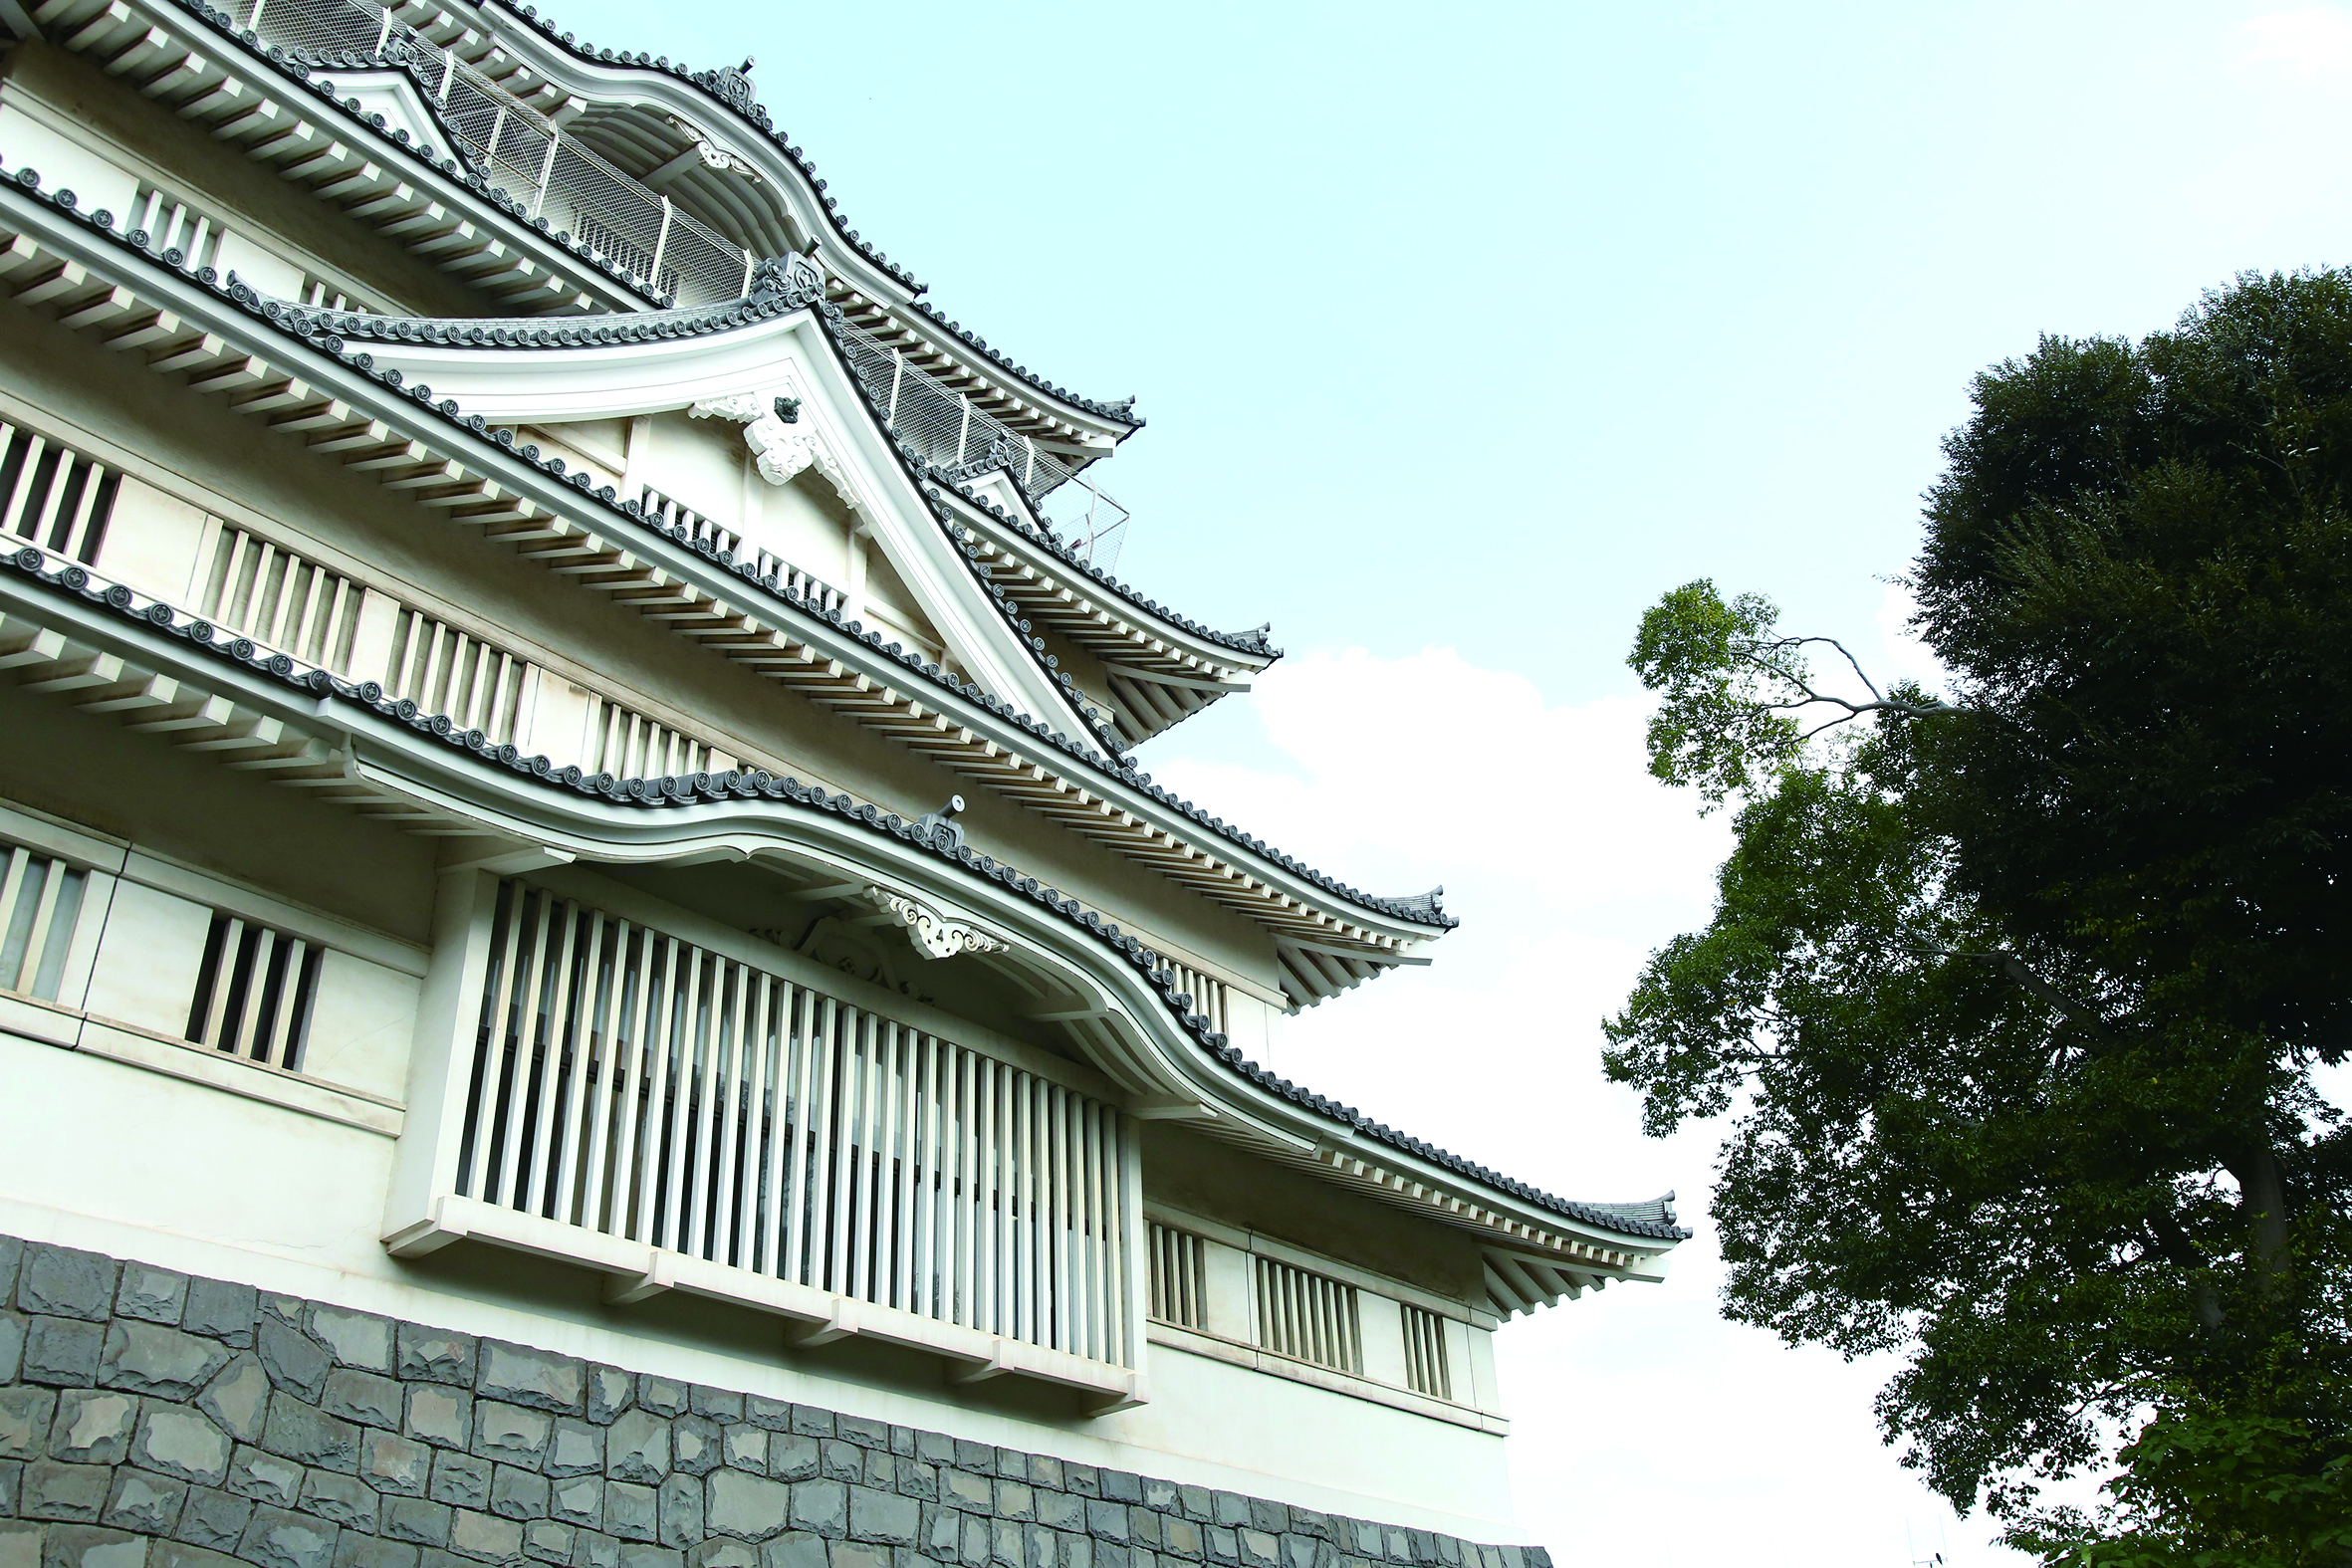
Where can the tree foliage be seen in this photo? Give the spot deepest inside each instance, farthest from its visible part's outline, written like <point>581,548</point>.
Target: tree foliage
<point>2014,991</point>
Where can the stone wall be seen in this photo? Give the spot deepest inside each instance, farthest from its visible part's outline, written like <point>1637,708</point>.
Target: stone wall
<point>150,1420</point>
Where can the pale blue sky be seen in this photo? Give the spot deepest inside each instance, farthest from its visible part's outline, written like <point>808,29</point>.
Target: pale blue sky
<point>1465,333</point>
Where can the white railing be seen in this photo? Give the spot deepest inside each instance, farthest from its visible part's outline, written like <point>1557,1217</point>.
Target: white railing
<point>669,513</point>
<point>625,743</point>
<point>947,428</point>
<point>630,1083</point>
<point>1307,1317</point>
<point>526,155</point>
<point>1208,996</point>
<point>273,596</point>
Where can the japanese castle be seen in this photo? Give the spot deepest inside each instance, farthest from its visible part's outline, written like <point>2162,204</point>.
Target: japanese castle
<point>590,969</point>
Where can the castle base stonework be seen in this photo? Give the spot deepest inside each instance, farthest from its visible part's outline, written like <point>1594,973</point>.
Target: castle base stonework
<point>153,1420</point>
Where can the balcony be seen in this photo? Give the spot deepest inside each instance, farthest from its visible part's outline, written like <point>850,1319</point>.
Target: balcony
<point>626,1086</point>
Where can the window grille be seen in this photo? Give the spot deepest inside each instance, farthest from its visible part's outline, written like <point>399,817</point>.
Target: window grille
<point>638,1085</point>
<point>254,991</point>
<point>1177,1277</point>
<point>326,293</point>
<point>1425,1354</point>
<point>626,743</point>
<point>444,670</point>
<point>668,512</point>
<point>173,224</point>
<point>275,596</point>
<point>1307,1317</point>
<point>1207,993</point>
<point>40,910</point>
<point>54,496</point>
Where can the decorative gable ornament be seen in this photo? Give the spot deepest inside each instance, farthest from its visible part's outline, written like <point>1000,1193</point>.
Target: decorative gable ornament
<point>713,155</point>
<point>933,934</point>
<point>781,444</point>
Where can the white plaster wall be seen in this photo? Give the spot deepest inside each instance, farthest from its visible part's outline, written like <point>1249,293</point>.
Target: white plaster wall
<point>187,1176</point>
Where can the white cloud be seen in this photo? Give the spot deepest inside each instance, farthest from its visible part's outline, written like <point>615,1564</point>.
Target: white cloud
<point>2313,42</point>
<point>1647,1429</point>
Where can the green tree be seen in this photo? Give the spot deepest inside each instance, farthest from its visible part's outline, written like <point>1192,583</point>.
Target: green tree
<point>2013,992</point>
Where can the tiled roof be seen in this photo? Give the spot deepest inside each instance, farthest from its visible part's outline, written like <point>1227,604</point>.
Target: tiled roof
<point>1653,1219</point>
<point>720,87</point>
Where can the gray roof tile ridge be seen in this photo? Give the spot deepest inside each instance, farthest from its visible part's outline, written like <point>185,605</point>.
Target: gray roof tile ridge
<point>307,326</point>
<point>154,617</point>
<point>719,88</point>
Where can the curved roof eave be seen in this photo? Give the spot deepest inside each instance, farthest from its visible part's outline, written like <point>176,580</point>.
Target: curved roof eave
<point>582,66</point>
<point>315,694</point>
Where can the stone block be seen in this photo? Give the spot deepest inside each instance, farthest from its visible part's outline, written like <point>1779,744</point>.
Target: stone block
<point>1364,1539</point>
<point>665,1395</point>
<point>62,1282</point>
<point>1199,1504</point>
<point>1110,1554</point>
<point>722,1406</point>
<point>747,1507</point>
<point>340,1500</point>
<point>597,1550</point>
<point>1120,1486</point>
<point>264,1477</point>
<point>72,1494</point>
<point>1037,1547</point>
<point>148,1504</point>
<point>93,1425</point>
<point>179,1554</point>
<point>1076,1551</point>
<point>911,1478</point>
<point>1016,1501</point>
<point>416,1520</point>
<point>510,1433</point>
<point>942,1527</point>
<point>293,1359</point>
<point>1400,1545</point>
<point>743,1449</point>
<point>61,1351</point>
<point>25,1418</point>
<point>1085,1480</point>
<point>880,1469</point>
<point>1298,1552</point>
<point>575,1448</point>
<point>769,1415</point>
<point>682,1511</point>
<point>1106,1521</point>
<point>1269,1516</point>
<point>1160,1495</point>
<point>1007,1545</point>
<point>353,1339</point>
<point>637,1556</point>
<point>630,1513</point>
<point>973,1549</point>
<point>91,1546</point>
<point>793,1549</point>
<point>638,1448</point>
<point>431,1355</point>
<point>978,1457</point>
<point>148,1358</point>
<point>150,1294</point>
<point>19,1545</point>
<point>221,1310</point>
<point>718,1551</point>
<point>460,1480</point>
<point>442,1416</point>
<point>609,1391</point>
<point>213,1520</point>
<point>578,1500</point>
<point>865,1433</point>
<point>1143,1527</point>
<point>12,1346</point>
<point>485,1537</point>
<point>368,1398</point>
<point>822,1507</point>
<point>1060,1511</point>
<point>279,1539</point>
<point>520,1375</point>
<point>544,1540</point>
<point>790,1456</point>
<point>1180,1538</point>
<point>810,1422</point>
<point>841,1461</point>
<point>694,1444</point>
<point>372,1551</point>
<point>856,1554</point>
<point>1222,1545</point>
<point>1305,1521</point>
<point>238,1396</point>
<point>296,1431</point>
<point>518,1493</point>
<point>883,1516</point>
<point>393,1464</point>
<point>182,1443</point>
